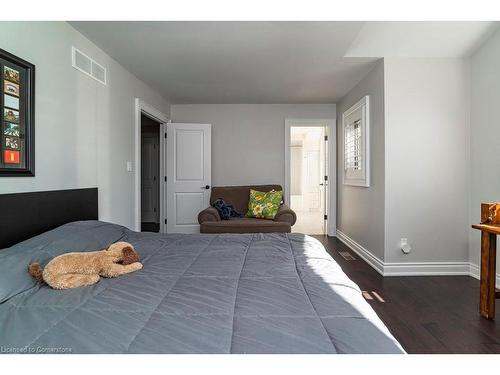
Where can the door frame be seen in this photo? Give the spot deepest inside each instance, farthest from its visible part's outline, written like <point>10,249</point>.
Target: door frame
<point>142,107</point>
<point>331,131</point>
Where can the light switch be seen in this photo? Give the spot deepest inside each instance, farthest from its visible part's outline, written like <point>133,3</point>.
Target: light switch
<point>130,166</point>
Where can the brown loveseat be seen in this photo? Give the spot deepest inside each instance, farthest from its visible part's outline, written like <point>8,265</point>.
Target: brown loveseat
<point>238,196</point>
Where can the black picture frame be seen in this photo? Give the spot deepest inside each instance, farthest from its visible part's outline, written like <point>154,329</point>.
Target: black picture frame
<point>26,116</point>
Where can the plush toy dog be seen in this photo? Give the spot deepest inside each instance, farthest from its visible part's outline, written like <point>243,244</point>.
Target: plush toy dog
<point>73,270</point>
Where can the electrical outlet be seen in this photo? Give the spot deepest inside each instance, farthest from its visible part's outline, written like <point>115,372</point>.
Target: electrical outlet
<point>404,246</point>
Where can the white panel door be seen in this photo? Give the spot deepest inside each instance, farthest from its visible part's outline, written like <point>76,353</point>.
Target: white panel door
<point>189,171</point>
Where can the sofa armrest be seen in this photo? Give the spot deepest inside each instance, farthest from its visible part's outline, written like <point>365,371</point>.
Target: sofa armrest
<point>286,214</point>
<point>208,214</point>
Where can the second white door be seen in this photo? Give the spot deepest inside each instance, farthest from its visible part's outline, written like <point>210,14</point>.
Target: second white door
<point>189,171</point>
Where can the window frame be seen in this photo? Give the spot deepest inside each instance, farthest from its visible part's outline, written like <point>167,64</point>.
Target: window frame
<point>361,176</point>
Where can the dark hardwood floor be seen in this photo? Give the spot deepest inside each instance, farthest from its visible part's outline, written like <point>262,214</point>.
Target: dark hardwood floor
<point>150,227</point>
<point>426,314</point>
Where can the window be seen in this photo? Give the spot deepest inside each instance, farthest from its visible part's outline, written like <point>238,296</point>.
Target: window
<point>356,127</point>
<point>353,145</point>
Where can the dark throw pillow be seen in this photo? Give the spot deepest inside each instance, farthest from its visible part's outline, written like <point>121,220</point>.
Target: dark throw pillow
<point>226,211</point>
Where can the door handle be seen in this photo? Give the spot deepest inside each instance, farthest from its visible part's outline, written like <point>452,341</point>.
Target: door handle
<point>322,184</point>
<point>206,187</point>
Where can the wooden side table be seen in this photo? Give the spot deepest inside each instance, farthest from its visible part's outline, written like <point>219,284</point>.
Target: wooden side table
<point>490,228</point>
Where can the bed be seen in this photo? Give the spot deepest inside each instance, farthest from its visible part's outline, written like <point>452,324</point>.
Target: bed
<point>203,293</point>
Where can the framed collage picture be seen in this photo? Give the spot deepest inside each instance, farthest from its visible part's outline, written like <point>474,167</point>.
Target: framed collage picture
<point>17,110</point>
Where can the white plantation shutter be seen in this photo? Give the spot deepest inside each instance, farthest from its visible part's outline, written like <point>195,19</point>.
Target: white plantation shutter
<point>352,147</point>
<point>355,123</point>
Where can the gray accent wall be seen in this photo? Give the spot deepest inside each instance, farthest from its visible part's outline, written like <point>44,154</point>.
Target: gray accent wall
<point>484,136</point>
<point>427,163</point>
<point>419,112</point>
<point>248,140</point>
<point>360,210</point>
<point>84,130</point>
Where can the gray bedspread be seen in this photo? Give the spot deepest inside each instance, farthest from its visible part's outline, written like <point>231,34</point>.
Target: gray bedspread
<point>228,293</point>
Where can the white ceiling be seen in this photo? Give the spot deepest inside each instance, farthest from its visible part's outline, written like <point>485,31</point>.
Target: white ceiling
<point>420,39</point>
<point>270,62</point>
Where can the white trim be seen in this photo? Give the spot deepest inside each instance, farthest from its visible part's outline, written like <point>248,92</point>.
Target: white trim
<point>363,103</point>
<point>143,107</point>
<point>161,177</point>
<point>474,272</point>
<point>426,268</point>
<point>364,254</point>
<point>331,131</point>
<point>411,268</point>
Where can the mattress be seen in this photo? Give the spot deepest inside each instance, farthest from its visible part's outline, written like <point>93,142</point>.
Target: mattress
<point>199,293</point>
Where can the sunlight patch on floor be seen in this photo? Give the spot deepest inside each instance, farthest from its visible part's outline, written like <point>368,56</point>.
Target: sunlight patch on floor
<point>309,222</point>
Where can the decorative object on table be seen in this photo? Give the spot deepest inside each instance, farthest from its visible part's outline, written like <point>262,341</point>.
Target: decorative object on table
<point>489,213</point>
<point>17,125</point>
<point>226,211</point>
<point>72,270</point>
<point>264,204</point>
<point>490,229</point>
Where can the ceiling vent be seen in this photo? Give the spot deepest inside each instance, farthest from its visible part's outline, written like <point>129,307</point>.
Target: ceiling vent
<point>88,66</point>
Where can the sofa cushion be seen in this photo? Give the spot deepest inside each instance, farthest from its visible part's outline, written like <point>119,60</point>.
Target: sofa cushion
<point>245,225</point>
<point>264,205</point>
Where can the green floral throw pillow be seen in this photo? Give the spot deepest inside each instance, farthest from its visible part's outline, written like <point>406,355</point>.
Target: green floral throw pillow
<point>264,205</point>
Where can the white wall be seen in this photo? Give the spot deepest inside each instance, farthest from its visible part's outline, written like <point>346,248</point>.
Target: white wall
<point>426,153</point>
<point>484,136</point>
<point>360,210</point>
<point>248,140</point>
<point>84,130</point>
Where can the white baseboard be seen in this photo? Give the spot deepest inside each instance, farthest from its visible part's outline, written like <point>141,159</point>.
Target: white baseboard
<point>474,272</point>
<point>426,268</point>
<point>411,268</point>
<point>363,253</point>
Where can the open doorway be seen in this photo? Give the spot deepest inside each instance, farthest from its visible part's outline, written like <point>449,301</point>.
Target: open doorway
<point>307,178</point>
<point>155,122</point>
<point>150,174</point>
<point>310,160</point>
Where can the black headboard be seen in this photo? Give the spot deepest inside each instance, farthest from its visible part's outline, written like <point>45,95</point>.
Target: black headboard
<point>24,215</point>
